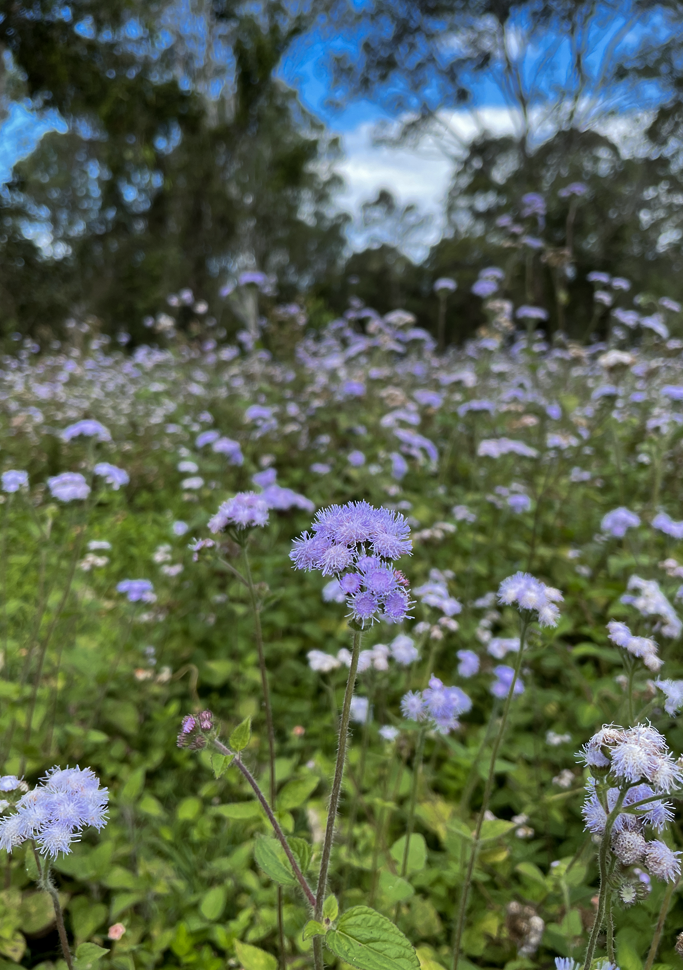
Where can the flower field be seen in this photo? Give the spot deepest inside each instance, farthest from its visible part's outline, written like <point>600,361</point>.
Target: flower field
<point>213,551</point>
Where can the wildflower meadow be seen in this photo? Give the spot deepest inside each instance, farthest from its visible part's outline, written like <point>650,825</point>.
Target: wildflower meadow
<point>321,647</point>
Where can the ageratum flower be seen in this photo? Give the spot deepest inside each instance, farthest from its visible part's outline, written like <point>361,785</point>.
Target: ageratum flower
<point>637,765</point>
<point>13,480</point>
<point>439,704</point>
<point>673,689</point>
<point>116,477</point>
<point>137,590</point>
<point>56,811</point>
<point>88,428</point>
<point>531,594</point>
<point>245,510</point>
<point>357,543</point>
<point>68,486</point>
<point>618,521</point>
<point>504,677</point>
<point>641,647</point>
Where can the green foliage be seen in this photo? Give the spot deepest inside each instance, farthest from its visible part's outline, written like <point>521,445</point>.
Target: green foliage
<point>367,940</point>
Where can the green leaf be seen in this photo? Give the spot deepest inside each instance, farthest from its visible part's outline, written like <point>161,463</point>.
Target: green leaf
<point>313,928</point>
<point>238,811</point>
<point>296,792</point>
<point>213,903</point>
<point>132,789</point>
<point>239,739</point>
<point>270,856</point>
<point>252,958</point>
<point>495,828</point>
<point>189,808</point>
<point>531,871</point>
<point>417,853</point>
<point>220,763</point>
<point>370,941</point>
<point>302,851</point>
<point>393,888</point>
<point>36,912</point>
<point>331,908</point>
<point>87,954</point>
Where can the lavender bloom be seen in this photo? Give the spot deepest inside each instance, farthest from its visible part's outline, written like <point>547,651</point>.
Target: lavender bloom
<point>469,663</point>
<point>356,543</point>
<point>641,647</point>
<point>68,486</point>
<point>673,689</point>
<point>533,204</point>
<point>245,510</point>
<point>504,678</point>
<point>413,706</point>
<point>116,477</point>
<point>498,647</point>
<point>651,601</point>
<point>231,449</point>
<point>444,704</point>
<point>320,468</point>
<point>399,466</point>
<point>484,288</point>
<point>361,712</point>
<point>531,313</point>
<point>322,662</point>
<point>531,594</point>
<point>180,528</point>
<point>576,189</point>
<point>519,503</point>
<point>88,428</point>
<point>666,524</point>
<point>403,649</point>
<point>435,594</point>
<point>265,478</point>
<point>415,444</point>
<point>9,783</point>
<point>281,499</point>
<point>356,458</point>
<point>56,811</point>
<point>639,764</point>
<point>495,447</point>
<point>137,590</point>
<point>445,285</point>
<point>13,480</point>
<point>618,521</point>
<point>206,438</point>
<point>389,733</point>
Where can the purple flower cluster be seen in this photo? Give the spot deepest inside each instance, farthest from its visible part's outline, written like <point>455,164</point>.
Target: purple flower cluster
<point>116,477</point>
<point>641,647</point>
<point>531,594</point>
<point>193,729</point>
<point>137,590</point>
<point>666,524</point>
<point>437,703</point>
<point>505,676</point>
<point>56,811</point>
<point>356,543</point>
<point>13,480</point>
<point>68,486</point>
<point>636,763</point>
<point>618,521</point>
<point>243,511</point>
<point>89,428</point>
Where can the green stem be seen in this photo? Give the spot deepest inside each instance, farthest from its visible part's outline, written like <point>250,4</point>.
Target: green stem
<point>46,884</point>
<point>419,753</point>
<point>336,793</point>
<point>237,761</point>
<point>269,725</point>
<point>460,924</point>
<point>605,891</point>
<point>610,928</point>
<point>663,912</point>
<point>473,776</point>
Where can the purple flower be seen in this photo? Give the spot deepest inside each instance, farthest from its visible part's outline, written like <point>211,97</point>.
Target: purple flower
<point>180,528</point>
<point>231,449</point>
<point>403,649</point>
<point>445,285</point>
<point>356,458</point>
<point>88,428</point>
<point>519,503</point>
<point>618,521</point>
<point>413,706</point>
<point>574,188</point>
<point>363,540</point>
<point>531,594</point>
<point>504,678</point>
<point>137,590</point>
<point>264,478</point>
<point>469,663</point>
<point>116,477</point>
<point>533,204</point>
<point>206,438</point>
<point>68,486</point>
<point>484,288</point>
<point>666,524</point>
<point>13,480</point>
<point>531,313</point>
<point>245,510</point>
<point>399,466</point>
<point>56,811</point>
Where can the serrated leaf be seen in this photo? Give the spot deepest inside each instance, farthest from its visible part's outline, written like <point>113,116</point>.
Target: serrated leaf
<point>495,828</point>
<point>331,908</point>
<point>270,856</point>
<point>241,736</point>
<point>253,958</point>
<point>87,955</point>
<point>302,851</point>
<point>417,853</point>
<point>296,792</point>
<point>313,928</point>
<point>369,941</point>
<point>531,871</point>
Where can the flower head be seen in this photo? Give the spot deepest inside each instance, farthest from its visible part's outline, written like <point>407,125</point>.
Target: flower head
<point>68,486</point>
<point>245,510</point>
<point>13,480</point>
<point>531,594</point>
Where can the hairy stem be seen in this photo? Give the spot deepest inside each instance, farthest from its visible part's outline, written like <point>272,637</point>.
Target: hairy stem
<point>605,890</point>
<point>269,725</point>
<point>46,884</point>
<point>419,753</point>
<point>280,835</point>
<point>464,899</point>
<point>336,792</point>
